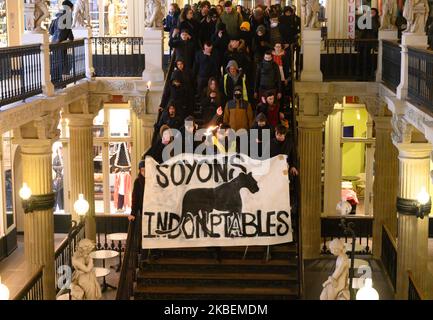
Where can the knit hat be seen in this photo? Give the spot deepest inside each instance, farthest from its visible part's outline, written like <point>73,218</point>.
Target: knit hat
<point>122,157</point>
<point>68,3</point>
<point>261,28</point>
<point>228,4</point>
<point>237,89</point>
<point>232,63</point>
<point>245,25</point>
<point>141,164</point>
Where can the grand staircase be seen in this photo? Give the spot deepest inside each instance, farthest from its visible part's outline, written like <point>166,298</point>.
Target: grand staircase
<point>195,273</point>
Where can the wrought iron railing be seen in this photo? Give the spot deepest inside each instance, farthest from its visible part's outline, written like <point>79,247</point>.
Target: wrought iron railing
<point>389,255</point>
<point>34,289</point>
<point>118,56</point>
<point>63,254</point>
<point>349,60</point>
<point>20,73</point>
<point>68,62</point>
<point>128,269</point>
<point>363,227</point>
<point>414,292</point>
<point>391,64</point>
<point>420,75</point>
<point>106,224</point>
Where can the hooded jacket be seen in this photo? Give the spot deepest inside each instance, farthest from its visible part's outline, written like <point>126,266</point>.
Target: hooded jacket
<point>229,83</point>
<point>238,114</point>
<point>268,77</point>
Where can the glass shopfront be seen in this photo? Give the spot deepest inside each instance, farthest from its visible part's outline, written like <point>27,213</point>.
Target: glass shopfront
<point>112,159</point>
<point>7,183</point>
<point>3,25</point>
<point>109,17</point>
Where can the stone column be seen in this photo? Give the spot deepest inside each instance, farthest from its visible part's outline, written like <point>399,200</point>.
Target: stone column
<point>333,160</point>
<point>310,170</point>
<point>311,44</point>
<point>412,248</point>
<point>153,44</point>
<point>81,167</point>
<point>35,140</point>
<point>86,33</point>
<point>385,187</point>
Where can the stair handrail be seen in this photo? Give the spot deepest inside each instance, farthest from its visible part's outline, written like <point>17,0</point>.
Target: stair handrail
<point>296,180</point>
<point>129,265</point>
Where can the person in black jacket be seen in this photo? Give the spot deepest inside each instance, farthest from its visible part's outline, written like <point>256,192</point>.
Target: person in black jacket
<point>185,47</point>
<point>138,193</point>
<point>169,117</point>
<point>205,66</point>
<point>187,21</point>
<point>288,27</point>
<point>220,41</point>
<point>156,151</point>
<point>258,138</point>
<point>171,20</point>
<point>267,77</point>
<point>211,103</point>
<point>282,144</point>
<point>177,93</point>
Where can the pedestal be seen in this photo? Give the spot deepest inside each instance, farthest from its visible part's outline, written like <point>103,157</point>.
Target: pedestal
<point>413,40</point>
<point>86,33</point>
<point>44,39</point>
<point>153,44</point>
<point>384,35</point>
<point>311,44</point>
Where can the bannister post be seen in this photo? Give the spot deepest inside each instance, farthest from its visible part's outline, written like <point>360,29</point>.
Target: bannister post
<point>311,43</point>
<point>86,33</point>
<point>32,37</point>
<point>413,40</point>
<point>391,35</point>
<point>153,44</point>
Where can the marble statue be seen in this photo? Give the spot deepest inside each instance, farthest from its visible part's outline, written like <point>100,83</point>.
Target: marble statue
<point>387,17</point>
<point>40,14</point>
<point>416,13</point>
<point>310,13</point>
<point>81,14</point>
<point>337,285</point>
<point>154,15</point>
<point>84,284</point>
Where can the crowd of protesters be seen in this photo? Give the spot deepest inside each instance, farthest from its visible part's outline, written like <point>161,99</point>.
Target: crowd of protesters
<point>235,65</point>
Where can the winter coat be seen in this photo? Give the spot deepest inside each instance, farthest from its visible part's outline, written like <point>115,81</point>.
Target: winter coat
<point>285,148</point>
<point>268,77</point>
<point>137,196</point>
<point>238,114</point>
<point>233,22</point>
<point>272,113</point>
<point>185,50</point>
<point>206,66</point>
<point>60,34</point>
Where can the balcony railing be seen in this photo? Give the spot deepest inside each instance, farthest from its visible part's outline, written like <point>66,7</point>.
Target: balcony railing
<point>34,289</point>
<point>349,60</point>
<point>118,56</point>
<point>68,62</point>
<point>363,227</point>
<point>389,255</point>
<point>420,75</point>
<point>20,73</point>
<point>391,64</point>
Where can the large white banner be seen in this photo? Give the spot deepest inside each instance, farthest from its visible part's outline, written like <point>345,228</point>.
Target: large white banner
<point>225,200</point>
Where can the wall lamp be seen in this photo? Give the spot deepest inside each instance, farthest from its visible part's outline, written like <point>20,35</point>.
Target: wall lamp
<point>39,202</point>
<point>420,207</point>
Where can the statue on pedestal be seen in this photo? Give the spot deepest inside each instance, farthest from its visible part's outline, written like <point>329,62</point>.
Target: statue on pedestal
<point>81,14</point>
<point>40,14</point>
<point>84,284</point>
<point>113,18</point>
<point>337,287</point>
<point>416,13</point>
<point>387,17</point>
<point>153,14</point>
<point>310,11</point>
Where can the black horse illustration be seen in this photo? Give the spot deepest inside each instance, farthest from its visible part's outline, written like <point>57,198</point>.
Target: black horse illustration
<point>225,197</point>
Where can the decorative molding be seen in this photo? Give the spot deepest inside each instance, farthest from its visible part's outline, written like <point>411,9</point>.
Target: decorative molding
<point>118,86</point>
<point>47,126</point>
<point>138,103</point>
<point>402,130</point>
<point>327,103</point>
<point>375,105</point>
<point>96,102</point>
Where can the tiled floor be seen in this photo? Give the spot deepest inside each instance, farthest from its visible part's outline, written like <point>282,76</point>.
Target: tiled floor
<point>14,273</point>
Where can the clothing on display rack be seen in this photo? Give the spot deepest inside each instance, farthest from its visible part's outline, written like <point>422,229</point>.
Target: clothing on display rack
<point>122,190</point>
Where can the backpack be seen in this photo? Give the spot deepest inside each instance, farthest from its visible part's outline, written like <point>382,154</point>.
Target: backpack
<point>53,26</point>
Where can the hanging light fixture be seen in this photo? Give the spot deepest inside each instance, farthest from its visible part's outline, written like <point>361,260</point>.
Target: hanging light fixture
<point>367,292</point>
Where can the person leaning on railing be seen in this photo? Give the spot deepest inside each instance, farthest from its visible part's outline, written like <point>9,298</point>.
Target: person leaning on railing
<point>137,193</point>
<point>59,28</point>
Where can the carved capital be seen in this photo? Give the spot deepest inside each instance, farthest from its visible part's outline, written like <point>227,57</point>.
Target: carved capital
<point>402,130</point>
<point>327,103</point>
<point>375,105</point>
<point>96,102</point>
<point>138,104</point>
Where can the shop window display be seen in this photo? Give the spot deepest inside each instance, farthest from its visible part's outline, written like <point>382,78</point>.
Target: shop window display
<point>120,178</point>
<point>7,167</point>
<point>58,177</point>
<point>109,17</point>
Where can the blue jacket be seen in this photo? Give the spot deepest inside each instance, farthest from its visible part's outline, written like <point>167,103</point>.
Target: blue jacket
<point>59,32</point>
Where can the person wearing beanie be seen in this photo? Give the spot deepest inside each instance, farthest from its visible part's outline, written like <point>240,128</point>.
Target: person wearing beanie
<point>169,117</point>
<point>231,18</point>
<point>177,93</point>
<point>238,112</point>
<point>138,193</point>
<point>258,136</point>
<point>274,30</point>
<point>246,34</point>
<point>270,107</point>
<point>260,43</point>
<point>233,78</point>
<point>185,47</point>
